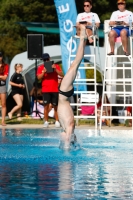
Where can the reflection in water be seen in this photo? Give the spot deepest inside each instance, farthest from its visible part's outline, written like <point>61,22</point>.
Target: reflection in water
<point>18,132</point>
<point>3,132</point>
<point>3,138</point>
<point>66,181</point>
<point>119,176</point>
<point>33,167</point>
<point>28,182</point>
<point>6,132</point>
<point>47,180</point>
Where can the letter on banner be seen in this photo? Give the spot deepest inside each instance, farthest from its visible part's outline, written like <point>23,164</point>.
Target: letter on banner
<point>67,14</point>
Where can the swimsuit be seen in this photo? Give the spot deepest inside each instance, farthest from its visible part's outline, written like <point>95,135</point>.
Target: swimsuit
<point>67,94</point>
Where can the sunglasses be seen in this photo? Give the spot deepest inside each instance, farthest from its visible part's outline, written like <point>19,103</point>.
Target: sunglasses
<point>86,5</point>
<point>121,4</point>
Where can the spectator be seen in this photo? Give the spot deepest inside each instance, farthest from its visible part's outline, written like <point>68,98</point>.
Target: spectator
<point>17,84</point>
<point>129,113</point>
<point>120,17</point>
<point>106,110</point>
<point>36,94</point>
<point>49,88</point>
<point>40,108</point>
<point>4,68</point>
<point>87,18</point>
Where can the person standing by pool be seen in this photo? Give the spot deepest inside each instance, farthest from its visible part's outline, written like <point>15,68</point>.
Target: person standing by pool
<point>49,88</point>
<point>17,84</point>
<point>66,90</point>
<point>4,68</point>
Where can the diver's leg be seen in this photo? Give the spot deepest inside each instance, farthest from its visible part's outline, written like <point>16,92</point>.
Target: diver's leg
<point>67,82</point>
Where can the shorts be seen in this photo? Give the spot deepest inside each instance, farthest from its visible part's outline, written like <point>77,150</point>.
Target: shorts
<point>20,92</point>
<point>89,27</point>
<point>118,30</point>
<point>3,89</point>
<point>50,97</point>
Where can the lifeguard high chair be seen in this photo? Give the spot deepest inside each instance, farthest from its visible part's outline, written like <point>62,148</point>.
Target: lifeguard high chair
<point>118,78</point>
<point>85,96</point>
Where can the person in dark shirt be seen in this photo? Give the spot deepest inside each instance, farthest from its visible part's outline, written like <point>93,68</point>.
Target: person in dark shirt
<point>17,84</point>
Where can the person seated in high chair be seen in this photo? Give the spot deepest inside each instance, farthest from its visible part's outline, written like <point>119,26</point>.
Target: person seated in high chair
<point>65,113</point>
<point>87,18</point>
<point>120,26</point>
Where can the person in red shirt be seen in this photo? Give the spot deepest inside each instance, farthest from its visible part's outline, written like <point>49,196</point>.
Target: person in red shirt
<point>49,88</point>
<point>4,68</point>
<point>129,113</point>
<point>129,110</point>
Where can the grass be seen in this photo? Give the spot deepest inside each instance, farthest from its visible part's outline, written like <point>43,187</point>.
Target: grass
<point>25,121</point>
<point>51,120</point>
<point>29,120</point>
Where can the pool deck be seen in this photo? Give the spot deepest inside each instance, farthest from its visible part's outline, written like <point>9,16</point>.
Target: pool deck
<point>51,126</point>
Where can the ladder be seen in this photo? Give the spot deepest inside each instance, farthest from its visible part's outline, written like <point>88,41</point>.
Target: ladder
<point>117,83</point>
<point>85,65</point>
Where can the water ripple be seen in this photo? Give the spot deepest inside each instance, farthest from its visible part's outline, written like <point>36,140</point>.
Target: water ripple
<point>33,167</point>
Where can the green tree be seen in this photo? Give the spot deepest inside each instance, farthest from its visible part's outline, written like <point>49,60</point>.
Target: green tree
<point>12,35</point>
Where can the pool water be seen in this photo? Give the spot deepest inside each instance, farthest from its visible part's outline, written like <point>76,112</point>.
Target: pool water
<point>33,167</point>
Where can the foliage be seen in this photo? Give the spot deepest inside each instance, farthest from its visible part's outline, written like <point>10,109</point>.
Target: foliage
<point>13,36</point>
<point>90,75</point>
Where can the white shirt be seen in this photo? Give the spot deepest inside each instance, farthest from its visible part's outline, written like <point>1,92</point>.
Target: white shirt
<point>87,17</point>
<point>121,16</point>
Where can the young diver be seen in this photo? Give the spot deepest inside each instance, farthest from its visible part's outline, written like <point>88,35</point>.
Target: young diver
<point>66,90</point>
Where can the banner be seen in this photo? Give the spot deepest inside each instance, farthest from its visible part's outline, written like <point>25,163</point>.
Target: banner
<point>67,14</point>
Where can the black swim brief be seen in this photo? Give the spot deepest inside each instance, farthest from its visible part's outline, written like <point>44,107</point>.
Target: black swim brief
<point>67,94</point>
